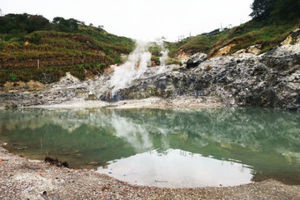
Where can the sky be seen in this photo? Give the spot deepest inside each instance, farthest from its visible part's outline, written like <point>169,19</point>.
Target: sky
<point>141,19</point>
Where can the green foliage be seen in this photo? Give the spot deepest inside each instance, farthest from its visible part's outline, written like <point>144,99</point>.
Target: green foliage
<point>272,21</point>
<point>49,74</point>
<point>243,36</point>
<point>35,38</point>
<point>261,8</point>
<point>275,10</point>
<point>61,46</point>
<point>1,44</point>
<point>201,43</point>
<point>285,10</point>
<point>22,23</point>
<point>12,77</point>
<point>267,35</point>
<point>66,25</point>
<point>171,61</point>
<point>155,49</point>
<point>155,59</point>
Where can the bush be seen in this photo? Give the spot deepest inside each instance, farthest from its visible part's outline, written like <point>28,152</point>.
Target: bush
<point>156,60</point>
<point>35,38</point>
<point>1,44</point>
<point>171,61</point>
<point>155,50</point>
<point>12,77</point>
<point>275,10</point>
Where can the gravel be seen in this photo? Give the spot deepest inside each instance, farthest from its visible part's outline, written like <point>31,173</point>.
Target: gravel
<point>21,178</point>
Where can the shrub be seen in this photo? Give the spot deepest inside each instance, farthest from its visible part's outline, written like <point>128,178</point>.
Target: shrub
<point>155,49</point>
<point>171,61</point>
<point>156,60</point>
<point>12,77</point>
<point>35,38</point>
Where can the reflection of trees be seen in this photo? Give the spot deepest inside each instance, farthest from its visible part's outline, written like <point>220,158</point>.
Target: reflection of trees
<point>256,129</point>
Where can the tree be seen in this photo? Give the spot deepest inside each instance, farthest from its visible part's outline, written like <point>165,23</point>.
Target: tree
<point>275,9</point>
<point>286,9</point>
<point>37,22</point>
<point>22,23</point>
<point>66,25</point>
<point>261,8</point>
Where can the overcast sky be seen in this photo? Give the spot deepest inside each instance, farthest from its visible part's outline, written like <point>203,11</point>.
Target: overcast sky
<point>141,19</point>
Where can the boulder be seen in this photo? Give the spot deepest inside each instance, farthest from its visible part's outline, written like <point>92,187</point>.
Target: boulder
<point>195,60</point>
<point>293,38</point>
<point>255,49</point>
<point>91,97</point>
<point>225,50</point>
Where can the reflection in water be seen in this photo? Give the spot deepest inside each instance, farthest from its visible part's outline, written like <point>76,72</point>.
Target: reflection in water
<point>177,168</point>
<point>266,143</point>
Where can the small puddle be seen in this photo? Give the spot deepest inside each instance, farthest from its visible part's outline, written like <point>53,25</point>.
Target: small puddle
<point>177,168</point>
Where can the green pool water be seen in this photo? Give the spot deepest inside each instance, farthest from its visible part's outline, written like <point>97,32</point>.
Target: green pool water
<point>209,147</point>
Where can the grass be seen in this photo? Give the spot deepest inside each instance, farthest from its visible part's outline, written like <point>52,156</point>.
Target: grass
<point>268,35</point>
<point>89,49</point>
<point>155,59</point>
<point>49,74</point>
<point>155,51</point>
<point>171,61</point>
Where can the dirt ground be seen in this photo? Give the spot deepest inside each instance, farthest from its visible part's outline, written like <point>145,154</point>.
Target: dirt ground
<point>21,178</point>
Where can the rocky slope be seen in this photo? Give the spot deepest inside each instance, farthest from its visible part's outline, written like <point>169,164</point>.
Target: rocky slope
<point>268,80</point>
<point>271,79</point>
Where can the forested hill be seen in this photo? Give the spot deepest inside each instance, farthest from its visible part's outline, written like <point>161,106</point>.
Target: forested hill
<point>34,48</point>
<point>272,21</point>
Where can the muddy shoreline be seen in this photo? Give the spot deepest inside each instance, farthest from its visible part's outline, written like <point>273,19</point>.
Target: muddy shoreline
<point>22,178</point>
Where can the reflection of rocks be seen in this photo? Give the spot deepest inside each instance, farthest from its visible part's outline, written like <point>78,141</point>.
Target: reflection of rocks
<point>136,127</point>
<point>224,134</point>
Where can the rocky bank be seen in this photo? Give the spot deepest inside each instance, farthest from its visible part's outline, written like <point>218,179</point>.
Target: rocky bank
<point>271,79</point>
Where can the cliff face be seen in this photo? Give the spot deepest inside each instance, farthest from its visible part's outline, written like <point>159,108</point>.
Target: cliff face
<point>271,79</point>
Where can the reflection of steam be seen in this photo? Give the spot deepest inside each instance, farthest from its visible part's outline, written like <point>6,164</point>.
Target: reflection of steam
<point>257,131</point>
<point>266,139</point>
<point>133,133</point>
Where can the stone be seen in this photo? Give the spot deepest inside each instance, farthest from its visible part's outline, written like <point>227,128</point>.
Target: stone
<point>35,85</point>
<point>270,79</point>
<point>241,51</point>
<point>195,60</point>
<point>224,51</point>
<point>246,80</point>
<point>91,97</point>
<point>255,49</point>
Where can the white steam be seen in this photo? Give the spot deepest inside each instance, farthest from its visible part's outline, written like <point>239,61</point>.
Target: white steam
<point>137,64</point>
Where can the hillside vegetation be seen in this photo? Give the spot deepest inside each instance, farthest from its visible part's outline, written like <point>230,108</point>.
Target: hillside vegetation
<point>32,48</point>
<point>272,22</point>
